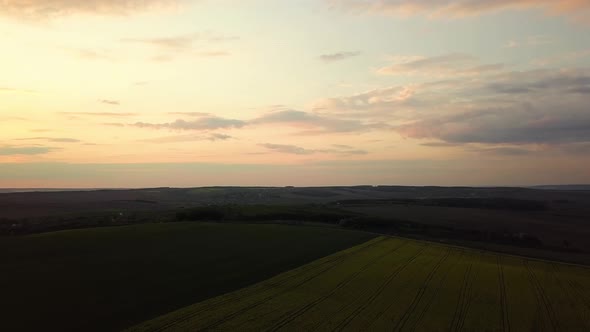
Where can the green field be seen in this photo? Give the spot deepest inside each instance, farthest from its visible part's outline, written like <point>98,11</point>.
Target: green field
<point>111,278</point>
<point>402,285</point>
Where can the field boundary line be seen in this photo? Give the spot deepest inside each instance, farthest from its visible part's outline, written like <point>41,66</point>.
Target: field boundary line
<point>272,296</point>
<point>571,294</point>
<point>343,324</point>
<point>542,297</point>
<point>479,250</point>
<point>418,297</point>
<point>503,297</point>
<point>463,299</point>
<point>297,313</point>
<point>435,292</point>
<point>228,297</point>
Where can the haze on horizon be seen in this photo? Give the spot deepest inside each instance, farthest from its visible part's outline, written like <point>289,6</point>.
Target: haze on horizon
<point>130,93</point>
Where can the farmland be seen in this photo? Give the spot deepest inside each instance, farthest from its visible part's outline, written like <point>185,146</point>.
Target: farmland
<point>403,285</point>
<point>109,278</point>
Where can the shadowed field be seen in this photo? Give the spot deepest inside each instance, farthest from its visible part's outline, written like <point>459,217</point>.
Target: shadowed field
<point>402,285</point>
<point>110,278</point>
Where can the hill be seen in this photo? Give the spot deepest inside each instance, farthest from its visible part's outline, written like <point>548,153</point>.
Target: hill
<point>401,285</point>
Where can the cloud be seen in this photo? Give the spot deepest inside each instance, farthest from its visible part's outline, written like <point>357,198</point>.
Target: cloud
<point>542,107</point>
<point>219,137</point>
<point>193,44</point>
<point>183,41</point>
<point>517,125</point>
<point>377,104</point>
<point>577,9</point>
<point>439,144</point>
<point>110,102</point>
<point>13,118</point>
<point>540,82</point>
<point>90,54</point>
<point>180,42</point>
<point>561,59</point>
<point>342,146</point>
<point>293,149</point>
<point>204,123</point>
<point>111,114</point>
<point>530,41</point>
<point>289,149</point>
<point>197,114</point>
<point>333,57</point>
<point>213,54</point>
<point>51,139</point>
<point>24,150</point>
<point>43,9</point>
<point>12,90</point>
<point>190,138</point>
<point>316,123</point>
<point>577,148</point>
<point>309,123</point>
<point>448,64</point>
<point>504,151</point>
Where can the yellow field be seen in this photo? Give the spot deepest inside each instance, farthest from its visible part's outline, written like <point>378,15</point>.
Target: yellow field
<point>401,285</point>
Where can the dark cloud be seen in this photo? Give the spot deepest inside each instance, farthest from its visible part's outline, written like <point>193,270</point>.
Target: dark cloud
<point>519,125</point>
<point>333,57</point>
<point>504,150</point>
<point>527,107</point>
<point>542,81</point>
<point>24,150</point>
<point>204,123</point>
<point>439,144</point>
<point>577,148</point>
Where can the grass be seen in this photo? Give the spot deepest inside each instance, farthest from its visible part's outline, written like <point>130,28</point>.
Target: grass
<point>110,278</point>
<point>401,285</point>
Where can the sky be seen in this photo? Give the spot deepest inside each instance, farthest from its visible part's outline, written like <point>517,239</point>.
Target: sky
<point>148,93</point>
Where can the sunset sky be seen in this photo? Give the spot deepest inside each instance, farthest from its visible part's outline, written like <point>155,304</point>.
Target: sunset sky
<point>145,93</point>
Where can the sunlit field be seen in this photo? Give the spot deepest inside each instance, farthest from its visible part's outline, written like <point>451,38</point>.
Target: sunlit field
<point>402,285</point>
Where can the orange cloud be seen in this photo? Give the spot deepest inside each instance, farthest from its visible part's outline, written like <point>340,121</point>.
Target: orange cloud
<point>578,9</point>
<point>39,9</point>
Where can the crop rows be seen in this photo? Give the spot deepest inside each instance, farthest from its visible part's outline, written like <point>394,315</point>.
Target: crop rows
<point>401,285</point>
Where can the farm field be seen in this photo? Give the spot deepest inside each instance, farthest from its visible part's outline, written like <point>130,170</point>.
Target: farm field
<point>110,278</point>
<point>403,285</point>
